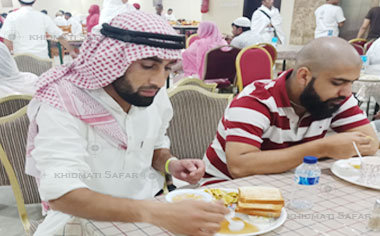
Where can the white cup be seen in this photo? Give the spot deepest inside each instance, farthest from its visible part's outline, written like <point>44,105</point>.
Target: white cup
<point>370,171</point>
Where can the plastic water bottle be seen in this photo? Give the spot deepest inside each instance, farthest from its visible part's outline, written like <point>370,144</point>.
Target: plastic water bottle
<point>330,33</point>
<point>365,63</point>
<point>274,41</point>
<point>305,184</point>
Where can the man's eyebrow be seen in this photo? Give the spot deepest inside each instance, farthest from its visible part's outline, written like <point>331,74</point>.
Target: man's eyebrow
<point>344,80</point>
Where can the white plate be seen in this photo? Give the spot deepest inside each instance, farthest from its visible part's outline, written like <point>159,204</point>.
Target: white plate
<point>264,227</point>
<point>353,177</point>
<point>202,194</point>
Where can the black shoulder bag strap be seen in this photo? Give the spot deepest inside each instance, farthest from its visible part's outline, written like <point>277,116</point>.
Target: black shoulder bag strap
<point>270,18</point>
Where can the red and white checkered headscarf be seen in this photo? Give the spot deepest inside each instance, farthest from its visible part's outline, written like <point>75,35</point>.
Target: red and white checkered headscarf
<point>102,60</point>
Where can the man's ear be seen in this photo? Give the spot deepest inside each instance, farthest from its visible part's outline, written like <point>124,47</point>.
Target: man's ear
<point>303,76</point>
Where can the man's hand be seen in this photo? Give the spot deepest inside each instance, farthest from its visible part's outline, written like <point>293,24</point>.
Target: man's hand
<point>340,146</point>
<point>189,170</point>
<point>191,217</point>
<point>73,54</point>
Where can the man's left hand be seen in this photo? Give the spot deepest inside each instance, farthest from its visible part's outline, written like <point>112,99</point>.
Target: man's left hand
<point>189,170</point>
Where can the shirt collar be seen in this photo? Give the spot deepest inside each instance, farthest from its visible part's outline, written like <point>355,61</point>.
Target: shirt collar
<point>282,99</point>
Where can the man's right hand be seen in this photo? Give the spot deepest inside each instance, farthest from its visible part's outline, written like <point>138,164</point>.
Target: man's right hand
<point>191,217</point>
<point>340,146</point>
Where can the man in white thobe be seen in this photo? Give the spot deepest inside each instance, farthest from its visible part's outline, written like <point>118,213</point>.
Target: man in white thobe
<point>266,21</point>
<point>329,18</point>
<point>24,31</point>
<point>59,19</point>
<point>97,139</point>
<point>76,26</point>
<point>243,35</point>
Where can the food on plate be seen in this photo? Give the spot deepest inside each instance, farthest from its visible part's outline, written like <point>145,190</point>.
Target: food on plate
<point>260,201</point>
<point>219,194</point>
<point>185,196</point>
<point>345,168</point>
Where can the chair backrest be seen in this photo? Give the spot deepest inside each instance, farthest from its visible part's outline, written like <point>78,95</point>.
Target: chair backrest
<point>253,63</point>
<point>196,116</point>
<point>13,103</point>
<point>368,44</point>
<point>13,136</point>
<point>220,63</point>
<point>358,41</point>
<point>271,49</point>
<point>359,49</point>
<point>191,39</point>
<point>197,82</point>
<point>32,64</point>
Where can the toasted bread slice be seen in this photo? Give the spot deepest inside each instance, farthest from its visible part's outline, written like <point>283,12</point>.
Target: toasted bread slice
<point>259,194</point>
<point>260,207</point>
<point>259,213</point>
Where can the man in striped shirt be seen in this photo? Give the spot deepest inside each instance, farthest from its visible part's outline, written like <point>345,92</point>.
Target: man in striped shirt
<point>272,124</point>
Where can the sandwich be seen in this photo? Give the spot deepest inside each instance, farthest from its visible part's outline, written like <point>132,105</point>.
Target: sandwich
<point>260,201</point>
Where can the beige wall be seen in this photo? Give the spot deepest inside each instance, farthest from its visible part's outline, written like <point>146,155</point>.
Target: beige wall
<point>76,7</point>
<point>223,13</point>
<point>182,9</point>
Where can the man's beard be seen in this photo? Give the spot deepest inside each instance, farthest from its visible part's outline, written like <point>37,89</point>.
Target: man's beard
<point>313,104</point>
<point>124,90</point>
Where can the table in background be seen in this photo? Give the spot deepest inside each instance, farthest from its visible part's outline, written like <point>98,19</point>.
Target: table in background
<point>287,52</point>
<point>186,29</point>
<point>341,209</point>
<point>366,87</point>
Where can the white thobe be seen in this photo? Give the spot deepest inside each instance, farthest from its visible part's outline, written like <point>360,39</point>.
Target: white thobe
<point>76,26</point>
<point>374,59</point>
<point>170,17</point>
<point>60,21</point>
<point>246,39</point>
<point>261,24</point>
<point>27,29</point>
<point>327,18</point>
<point>71,155</point>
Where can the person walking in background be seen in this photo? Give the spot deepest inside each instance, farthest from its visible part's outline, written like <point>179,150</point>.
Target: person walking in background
<point>266,21</point>
<point>371,21</point>
<point>24,31</point>
<point>329,18</point>
<point>93,18</point>
<point>193,57</point>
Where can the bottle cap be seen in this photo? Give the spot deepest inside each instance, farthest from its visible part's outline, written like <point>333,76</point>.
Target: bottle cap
<point>364,58</point>
<point>274,40</point>
<point>310,159</point>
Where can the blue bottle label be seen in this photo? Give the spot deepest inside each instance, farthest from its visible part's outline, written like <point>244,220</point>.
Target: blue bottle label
<point>307,181</point>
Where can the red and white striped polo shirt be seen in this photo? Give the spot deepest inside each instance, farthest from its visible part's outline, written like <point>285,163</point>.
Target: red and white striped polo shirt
<point>261,115</point>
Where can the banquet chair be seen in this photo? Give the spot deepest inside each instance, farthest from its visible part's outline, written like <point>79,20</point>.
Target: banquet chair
<point>13,130</point>
<point>30,63</point>
<point>191,39</point>
<point>196,116</point>
<point>358,41</point>
<point>271,49</point>
<point>359,49</point>
<point>368,44</point>
<point>197,82</point>
<point>13,103</point>
<point>219,66</point>
<point>253,63</point>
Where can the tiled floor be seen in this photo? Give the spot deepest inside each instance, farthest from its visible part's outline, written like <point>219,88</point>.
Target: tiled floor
<point>10,223</point>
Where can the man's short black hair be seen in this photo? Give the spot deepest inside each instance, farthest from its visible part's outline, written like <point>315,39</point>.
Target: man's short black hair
<point>4,15</point>
<point>170,9</point>
<point>242,28</point>
<point>44,11</point>
<point>62,11</point>
<point>68,14</point>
